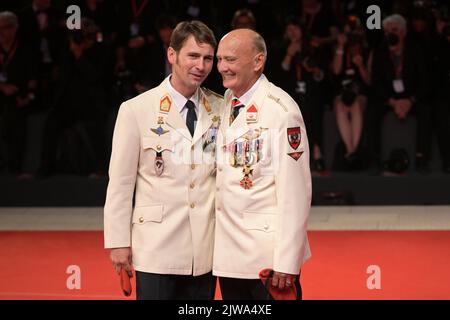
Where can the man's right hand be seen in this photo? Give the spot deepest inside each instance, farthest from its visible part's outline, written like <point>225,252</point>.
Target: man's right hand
<point>121,258</point>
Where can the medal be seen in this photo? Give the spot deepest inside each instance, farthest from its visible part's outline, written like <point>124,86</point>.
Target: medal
<point>216,121</point>
<point>159,164</point>
<point>246,182</point>
<point>233,159</point>
<point>210,138</point>
<point>251,158</point>
<point>239,154</point>
<point>232,154</point>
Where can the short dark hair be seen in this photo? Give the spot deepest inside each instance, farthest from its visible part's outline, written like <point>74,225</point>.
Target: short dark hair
<point>199,30</point>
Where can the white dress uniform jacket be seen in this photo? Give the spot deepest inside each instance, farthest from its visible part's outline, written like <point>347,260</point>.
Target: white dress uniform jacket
<point>262,208</point>
<point>170,227</point>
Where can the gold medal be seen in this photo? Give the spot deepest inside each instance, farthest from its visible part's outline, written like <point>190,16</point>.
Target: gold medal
<point>216,121</point>
<point>232,159</point>
<point>246,182</point>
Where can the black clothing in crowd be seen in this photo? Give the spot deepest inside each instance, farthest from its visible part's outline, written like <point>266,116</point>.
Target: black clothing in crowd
<point>79,86</point>
<point>387,72</point>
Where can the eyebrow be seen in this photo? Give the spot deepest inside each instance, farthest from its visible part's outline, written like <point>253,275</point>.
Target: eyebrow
<point>226,57</point>
<point>198,54</point>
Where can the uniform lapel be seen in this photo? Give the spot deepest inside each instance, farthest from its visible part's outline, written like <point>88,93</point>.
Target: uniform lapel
<point>240,125</point>
<point>237,128</point>
<point>205,118</point>
<point>174,119</point>
<point>225,116</point>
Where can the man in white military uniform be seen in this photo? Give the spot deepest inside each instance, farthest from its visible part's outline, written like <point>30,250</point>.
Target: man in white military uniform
<point>164,151</point>
<point>263,176</point>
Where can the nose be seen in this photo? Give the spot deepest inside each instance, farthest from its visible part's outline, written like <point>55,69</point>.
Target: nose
<point>221,66</point>
<point>201,65</point>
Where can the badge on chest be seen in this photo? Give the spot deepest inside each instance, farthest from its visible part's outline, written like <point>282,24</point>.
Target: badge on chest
<point>210,136</point>
<point>245,153</point>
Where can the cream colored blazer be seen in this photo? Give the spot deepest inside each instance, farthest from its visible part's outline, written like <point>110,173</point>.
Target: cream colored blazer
<point>170,223</point>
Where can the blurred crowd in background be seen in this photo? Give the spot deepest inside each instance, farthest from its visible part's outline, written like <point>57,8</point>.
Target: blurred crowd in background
<point>320,52</point>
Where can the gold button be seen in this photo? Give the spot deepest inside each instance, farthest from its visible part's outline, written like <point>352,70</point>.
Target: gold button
<point>192,166</point>
<point>192,205</point>
<point>141,219</point>
<point>192,185</point>
<point>192,148</point>
<point>158,147</point>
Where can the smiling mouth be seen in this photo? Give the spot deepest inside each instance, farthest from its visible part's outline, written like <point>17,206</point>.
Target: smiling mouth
<point>227,76</point>
<point>197,75</point>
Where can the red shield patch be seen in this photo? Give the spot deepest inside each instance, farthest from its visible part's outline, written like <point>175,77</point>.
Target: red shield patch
<point>294,137</point>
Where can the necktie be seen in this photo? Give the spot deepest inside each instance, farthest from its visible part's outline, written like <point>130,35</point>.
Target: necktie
<point>191,118</point>
<point>237,105</point>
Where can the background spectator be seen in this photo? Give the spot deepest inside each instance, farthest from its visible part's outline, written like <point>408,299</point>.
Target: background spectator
<point>442,95</point>
<point>127,55</point>
<point>301,72</point>
<point>352,79</point>
<point>79,105</point>
<point>17,91</point>
<point>400,83</point>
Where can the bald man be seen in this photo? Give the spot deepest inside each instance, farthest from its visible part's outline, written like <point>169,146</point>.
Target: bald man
<point>263,176</point>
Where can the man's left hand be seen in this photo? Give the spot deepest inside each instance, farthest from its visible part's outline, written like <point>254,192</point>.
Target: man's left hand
<point>283,280</point>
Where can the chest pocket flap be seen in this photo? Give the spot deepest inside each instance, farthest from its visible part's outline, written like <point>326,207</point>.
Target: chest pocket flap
<point>158,144</point>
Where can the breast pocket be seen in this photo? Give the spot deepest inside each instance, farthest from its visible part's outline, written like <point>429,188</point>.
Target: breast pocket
<point>157,154</point>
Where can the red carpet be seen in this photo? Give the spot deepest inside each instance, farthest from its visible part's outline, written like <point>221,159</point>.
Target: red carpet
<point>413,264</point>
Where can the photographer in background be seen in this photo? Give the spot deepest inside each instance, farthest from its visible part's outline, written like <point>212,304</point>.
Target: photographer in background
<point>17,91</point>
<point>155,67</point>
<point>349,66</point>
<point>79,106</point>
<point>300,70</point>
<point>43,29</point>
<point>400,83</point>
<point>136,32</point>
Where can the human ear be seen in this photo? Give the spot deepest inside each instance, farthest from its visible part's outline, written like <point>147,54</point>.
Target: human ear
<point>171,55</point>
<point>259,61</point>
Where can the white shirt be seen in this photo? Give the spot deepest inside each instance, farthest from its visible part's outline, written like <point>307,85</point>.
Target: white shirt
<point>246,97</point>
<point>180,100</point>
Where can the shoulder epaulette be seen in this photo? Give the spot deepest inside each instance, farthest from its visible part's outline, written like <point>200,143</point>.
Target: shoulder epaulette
<point>210,92</point>
<point>278,101</point>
